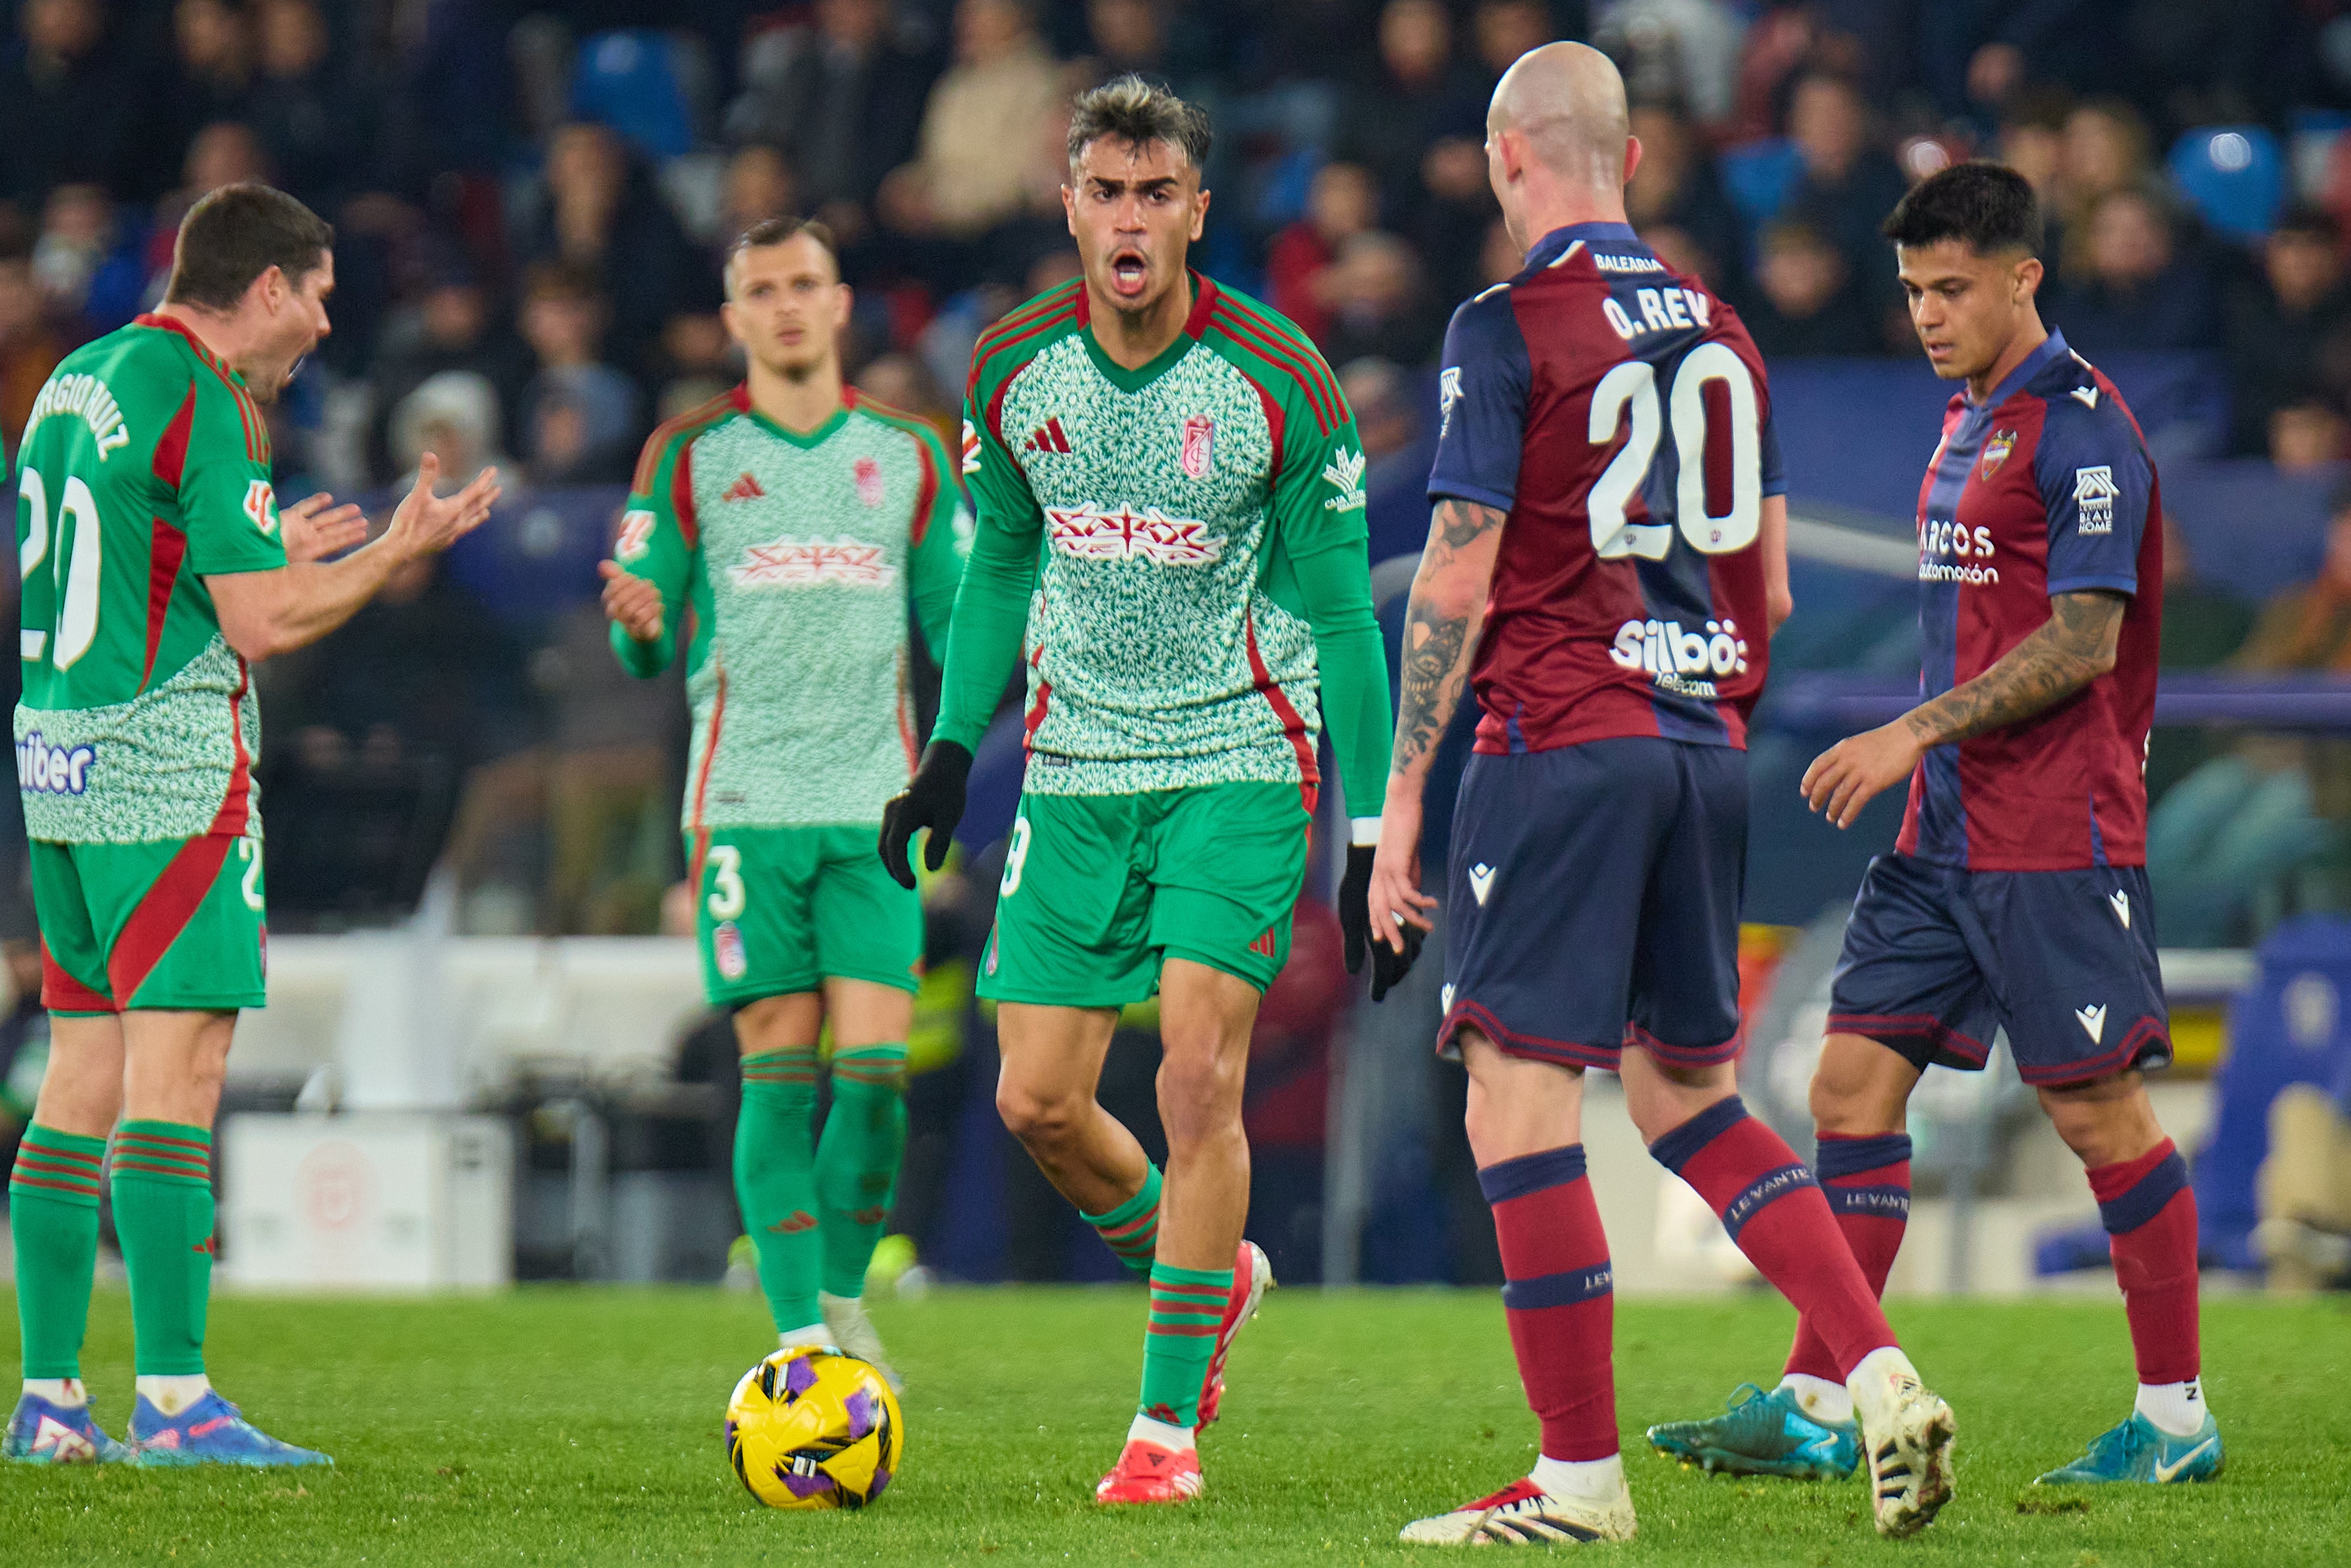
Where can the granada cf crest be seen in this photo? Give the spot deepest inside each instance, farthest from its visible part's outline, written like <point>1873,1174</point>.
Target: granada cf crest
<point>1996,451</point>
<point>1199,445</point>
<point>868,474</point>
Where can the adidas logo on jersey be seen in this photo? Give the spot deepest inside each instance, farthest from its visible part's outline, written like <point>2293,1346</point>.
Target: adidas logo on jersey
<point>1048,438</point>
<point>745,488</point>
<point>1677,660</point>
<point>1267,945</point>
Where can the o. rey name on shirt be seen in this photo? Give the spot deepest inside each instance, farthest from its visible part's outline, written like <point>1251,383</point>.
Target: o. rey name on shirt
<point>86,398</point>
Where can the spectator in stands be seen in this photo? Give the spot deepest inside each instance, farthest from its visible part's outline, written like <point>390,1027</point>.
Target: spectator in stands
<point>69,114</point>
<point>1399,449</point>
<point>2307,433</point>
<point>2135,290</point>
<point>699,361</point>
<point>224,152</point>
<point>1499,257</point>
<point>1849,184</point>
<point>1683,49</point>
<point>2204,625</point>
<point>2031,140</point>
<point>1380,305</point>
<point>2221,839</point>
<point>312,114</point>
<point>603,211</point>
<point>580,423</point>
<point>2289,325</point>
<point>87,261</point>
<point>842,100</point>
<point>986,119</point>
<point>209,80</point>
<point>2105,150</point>
<point>455,416</point>
<point>1505,29</point>
<point>1416,95</point>
<point>902,382</point>
<point>759,185</point>
<point>1678,187</point>
<point>29,350</point>
<point>1803,303</point>
<point>1340,204</point>
<point>451,328</point>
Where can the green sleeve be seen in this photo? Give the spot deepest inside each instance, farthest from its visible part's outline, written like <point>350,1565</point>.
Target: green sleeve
<point>942,544</point>
<point>1318,508</point>
<point>991,609</point>
<point>226,504</point>
<point>652,545</point>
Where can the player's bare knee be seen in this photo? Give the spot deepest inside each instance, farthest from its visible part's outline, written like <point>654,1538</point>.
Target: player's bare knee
<point>1200,1093</point>
<point>2105,1121</point>
<point>1861,1087</point>
<point>1040,1119</point>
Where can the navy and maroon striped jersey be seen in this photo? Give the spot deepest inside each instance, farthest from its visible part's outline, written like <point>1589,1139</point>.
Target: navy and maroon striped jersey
<point>1618,413</point>
<point>2046,488</point>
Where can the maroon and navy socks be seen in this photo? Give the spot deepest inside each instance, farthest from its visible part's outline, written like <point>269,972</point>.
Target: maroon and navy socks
<point>2149,1214</point>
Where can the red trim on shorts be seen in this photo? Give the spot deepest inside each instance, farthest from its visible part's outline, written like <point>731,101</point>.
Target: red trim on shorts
<point>165,912</point>
<point>60,992</point>
<point>167,547</point>
<point>1909,1026</point>
<point>2147,1037</point>
<point>235,813</point>
<point>1292,725</point>
<point>702,779</point>
<point>1561,1052</point>
<point>1686,1055</point>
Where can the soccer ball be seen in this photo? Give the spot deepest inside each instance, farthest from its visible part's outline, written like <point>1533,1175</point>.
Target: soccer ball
<point>812,1428</point>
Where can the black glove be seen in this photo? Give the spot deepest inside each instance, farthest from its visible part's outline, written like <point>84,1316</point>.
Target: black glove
<point>934,800</point>
<point>1388,966</point>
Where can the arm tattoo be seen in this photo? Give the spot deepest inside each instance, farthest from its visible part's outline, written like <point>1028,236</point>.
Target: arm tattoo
<point>1441,624</point>
<point>2073,647</point>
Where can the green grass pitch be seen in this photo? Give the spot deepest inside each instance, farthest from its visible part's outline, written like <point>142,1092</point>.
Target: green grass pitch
<point>583,1425</point>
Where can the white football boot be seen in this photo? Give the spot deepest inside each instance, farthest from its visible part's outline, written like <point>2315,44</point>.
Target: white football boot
<point>1523,1514</point>
<point>853,1331</point>
<point>1907,1433</point>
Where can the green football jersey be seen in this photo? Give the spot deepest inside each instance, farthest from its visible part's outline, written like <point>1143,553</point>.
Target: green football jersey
<point>144,469</point>
<point>798,556</point>
<point>1168,641</point>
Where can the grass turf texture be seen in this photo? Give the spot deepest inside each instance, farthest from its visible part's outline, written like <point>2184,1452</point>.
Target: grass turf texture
<point>583,1425</point>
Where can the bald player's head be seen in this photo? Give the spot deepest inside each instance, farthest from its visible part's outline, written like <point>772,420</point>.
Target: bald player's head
<point>1566,102</point>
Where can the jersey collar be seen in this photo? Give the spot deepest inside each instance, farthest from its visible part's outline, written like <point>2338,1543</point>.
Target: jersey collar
<point>1204,300</point>
<point>204,352</point>
<point>1554,245</point>
<point>2014,381</point>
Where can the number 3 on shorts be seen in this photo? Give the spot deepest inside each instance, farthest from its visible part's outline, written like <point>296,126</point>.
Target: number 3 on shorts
<point>726,898</point>
<point>1016,855</point>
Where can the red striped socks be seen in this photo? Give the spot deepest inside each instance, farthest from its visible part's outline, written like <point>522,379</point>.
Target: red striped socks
<point>163,1219</point>
<point>53,1221</point>
<point>1867,1181</point>
<point>1132,1229</point>
<point>1561,1297</point>
<point>1187,1308</point>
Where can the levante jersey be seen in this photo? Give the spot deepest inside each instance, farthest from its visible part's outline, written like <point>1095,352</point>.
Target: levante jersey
<point>1167,642</point>
<point>2046,488</point>
<point>1617,414</point>
<point>798,558</point>
<point>144,467</point>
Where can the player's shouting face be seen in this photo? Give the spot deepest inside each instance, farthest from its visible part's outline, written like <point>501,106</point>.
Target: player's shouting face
<point>1134,211</point>
<point>1968,306</point>
<point>785,305</point>
<point>292,317</point>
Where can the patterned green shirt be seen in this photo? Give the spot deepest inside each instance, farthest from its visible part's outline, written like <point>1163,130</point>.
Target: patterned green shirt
<point>798,556</point>
<point>1155,520</point>
<point>144,469</point>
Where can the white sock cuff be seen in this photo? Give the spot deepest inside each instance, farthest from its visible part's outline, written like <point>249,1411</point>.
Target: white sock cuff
<point>1821,1398</point>
<point>66,1392</point>
<point>2178,1407</point>
<point>1592,1481</point>
<point>1165,1434</point>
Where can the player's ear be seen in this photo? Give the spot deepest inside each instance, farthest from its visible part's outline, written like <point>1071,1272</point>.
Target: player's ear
<point>842,303</point>
<point>733,327</point>
<point>1199,215</point>
<point>1632,157</point>
<point>2028,275</point>
<point>1070,211</point>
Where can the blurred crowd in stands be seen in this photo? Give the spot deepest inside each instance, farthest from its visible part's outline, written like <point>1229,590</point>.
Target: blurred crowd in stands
<point>532,202</point>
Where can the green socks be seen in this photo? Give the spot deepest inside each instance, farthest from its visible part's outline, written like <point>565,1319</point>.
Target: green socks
<point>53,1221</point>
<point>1187,1307</point>
<point>775,1180</point>
<point>1132,1229</point>
<point>857,1159</point>
<point>163,1218</point>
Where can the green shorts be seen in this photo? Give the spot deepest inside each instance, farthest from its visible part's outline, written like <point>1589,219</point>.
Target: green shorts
<point>784,909</point>
<point>179,924</point>
<point>1098,890</point>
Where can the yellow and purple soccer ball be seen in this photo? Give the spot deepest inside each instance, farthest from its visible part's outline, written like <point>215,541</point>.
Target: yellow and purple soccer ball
<point>812,1428</point>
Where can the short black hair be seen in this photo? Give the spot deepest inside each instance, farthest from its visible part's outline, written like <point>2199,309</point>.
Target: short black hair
<point>234,235</point>
<point>1139,113</point>
<point>777,231</point>
<point>1989,206</point>
<point>2310,221</point>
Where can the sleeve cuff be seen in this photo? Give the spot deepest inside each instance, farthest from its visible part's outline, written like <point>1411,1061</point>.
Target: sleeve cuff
<point>1362,831</point>
<point>1451,490</point>
<point>2128,585</point>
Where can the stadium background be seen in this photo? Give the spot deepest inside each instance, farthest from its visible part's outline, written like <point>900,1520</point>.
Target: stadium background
<point>471,811</point>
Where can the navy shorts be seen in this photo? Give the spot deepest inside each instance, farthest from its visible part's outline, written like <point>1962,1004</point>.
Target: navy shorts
<point>1935,957</point>
<point>1593,902</point>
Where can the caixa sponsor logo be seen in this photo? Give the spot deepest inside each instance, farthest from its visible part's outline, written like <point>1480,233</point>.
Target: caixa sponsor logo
<point>1681,660</point>
<point>49,769</point>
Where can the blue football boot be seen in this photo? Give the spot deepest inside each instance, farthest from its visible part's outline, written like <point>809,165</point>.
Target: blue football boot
<point>209,1432</point>
<point>1762,1434</point>
<point>2140,1450</point>
<point>40,1433</point>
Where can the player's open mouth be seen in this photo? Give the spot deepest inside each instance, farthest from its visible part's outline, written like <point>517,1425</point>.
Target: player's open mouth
<point>1128,271</point>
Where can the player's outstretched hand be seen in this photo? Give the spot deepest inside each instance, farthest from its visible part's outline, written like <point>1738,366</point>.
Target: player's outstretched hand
<point>316,528</point>
<point>1380,906</point>
<point>1857,770</point>
<point>425,524</point>
<point>932,802</point>
<point>631,603</point>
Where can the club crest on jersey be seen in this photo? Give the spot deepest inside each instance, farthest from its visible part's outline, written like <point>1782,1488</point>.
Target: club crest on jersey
<point>1996,451</point>
<point>1199,454</point>
<point>798,563</point>
<point>1091,532</point>
<point>867,471</point>
<point>726,948</point>
<point>636,536</point>
<point>2093,497</point>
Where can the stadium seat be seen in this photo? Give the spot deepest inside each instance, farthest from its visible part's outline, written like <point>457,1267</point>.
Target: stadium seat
<point>2234,175</point>
<point>631,80</point>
